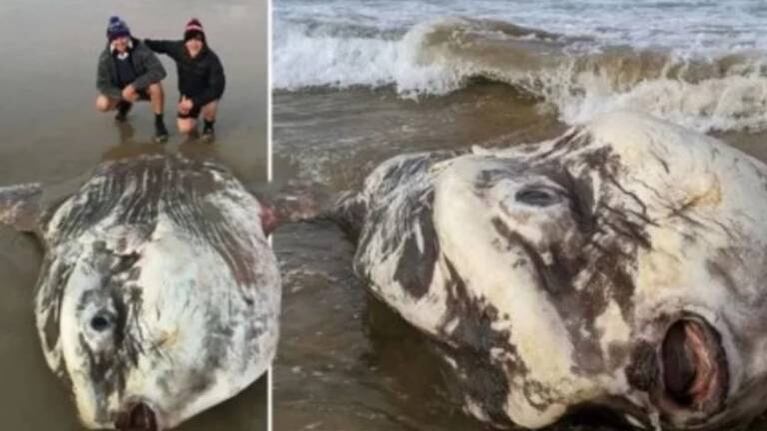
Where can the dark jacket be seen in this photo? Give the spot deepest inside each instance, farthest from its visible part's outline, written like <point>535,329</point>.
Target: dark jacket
<point>201,78</point>
<point>146,65</point>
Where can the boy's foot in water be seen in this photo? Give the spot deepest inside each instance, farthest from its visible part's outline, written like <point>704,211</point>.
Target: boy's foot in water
<point>123,108</point>
<point>160,131</point>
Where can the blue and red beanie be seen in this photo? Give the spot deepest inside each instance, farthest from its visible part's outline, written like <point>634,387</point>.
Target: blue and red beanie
<point>117,28</point>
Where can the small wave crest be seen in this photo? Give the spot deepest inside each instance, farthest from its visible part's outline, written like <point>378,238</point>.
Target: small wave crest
<point>416,62</point>
<point>579,77</point>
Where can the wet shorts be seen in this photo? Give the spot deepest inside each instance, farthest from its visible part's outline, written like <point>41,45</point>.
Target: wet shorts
<point>143,95</point>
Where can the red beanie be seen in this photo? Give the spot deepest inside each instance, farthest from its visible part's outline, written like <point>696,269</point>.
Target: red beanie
<point>194,29</point>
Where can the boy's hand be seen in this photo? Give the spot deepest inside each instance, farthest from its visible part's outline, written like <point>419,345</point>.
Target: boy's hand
<point>129,93</point>
<point>185,105</point>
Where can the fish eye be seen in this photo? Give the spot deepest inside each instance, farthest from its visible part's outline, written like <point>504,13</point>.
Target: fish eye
<point>538,196</point>
<point>100,323</point>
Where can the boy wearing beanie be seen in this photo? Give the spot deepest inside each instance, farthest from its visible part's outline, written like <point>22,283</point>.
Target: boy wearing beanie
<point>128,72</point>
<point>201,79</point>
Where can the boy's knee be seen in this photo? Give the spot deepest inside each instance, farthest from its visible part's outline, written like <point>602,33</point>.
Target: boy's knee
<point>155,89</point>
<point>102,104</point>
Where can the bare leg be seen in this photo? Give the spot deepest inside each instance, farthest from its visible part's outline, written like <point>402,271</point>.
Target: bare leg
<point>157,98</point>
<point>104,103</point>
<point>186,125</point>
<point>209,111</point>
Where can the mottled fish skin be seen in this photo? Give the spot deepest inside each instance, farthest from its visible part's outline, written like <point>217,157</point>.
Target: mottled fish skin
<point>550,273</point>
<point>158,286</point>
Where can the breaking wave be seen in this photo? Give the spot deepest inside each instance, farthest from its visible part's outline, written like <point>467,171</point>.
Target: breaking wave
<point>579,77</point>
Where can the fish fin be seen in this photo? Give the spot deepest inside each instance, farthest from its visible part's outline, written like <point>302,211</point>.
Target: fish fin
<point>293,203</point>
<point>21,205</point>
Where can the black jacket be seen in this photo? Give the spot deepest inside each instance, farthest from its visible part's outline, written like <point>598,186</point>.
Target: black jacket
<point>146,65</point>
<point>201,78</point>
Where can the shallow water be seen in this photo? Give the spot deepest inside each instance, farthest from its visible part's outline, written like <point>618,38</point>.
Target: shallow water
<point>50,132</point>
<point>346,362</point>
<point>337,137</point>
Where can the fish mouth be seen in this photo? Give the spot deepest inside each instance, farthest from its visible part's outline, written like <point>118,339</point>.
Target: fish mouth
<point>694,371</point>
<point>137,416</point>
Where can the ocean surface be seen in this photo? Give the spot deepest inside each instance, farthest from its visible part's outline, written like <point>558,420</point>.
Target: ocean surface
<point>356,82</point>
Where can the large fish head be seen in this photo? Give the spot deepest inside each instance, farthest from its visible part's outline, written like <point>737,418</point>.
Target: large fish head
<point>151,327</point>
<point>621,265</point>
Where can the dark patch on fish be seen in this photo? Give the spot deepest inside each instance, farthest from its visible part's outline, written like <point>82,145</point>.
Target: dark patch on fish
<point>581,194</point>
<point>394,224</point>
<point>217,342</point>
<point>415,268</point>
<point>51,302</point>
<point>621,225</point>
<point>200,382</point>
<point>481,377</point>
<point>134,274</point>
<point>477,378</point>
<point>642,372</point>
<point>554,278</point>
<point>618,354</point>
<point>125,263</point>
<point>488,178</point>
<point>602,159</point>
<point>616,234</point>
<point>106,374</point>
<point>572,140</point>
<point>120,328</point>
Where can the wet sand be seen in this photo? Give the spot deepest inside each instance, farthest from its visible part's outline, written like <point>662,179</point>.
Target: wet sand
<point>50,132</point>
<point>345,361</point>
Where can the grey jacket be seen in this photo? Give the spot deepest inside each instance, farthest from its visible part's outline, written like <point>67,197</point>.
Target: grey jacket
<point>146,64</point>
